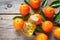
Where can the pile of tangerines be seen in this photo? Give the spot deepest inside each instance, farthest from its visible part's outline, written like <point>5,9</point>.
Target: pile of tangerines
<point>47,26</point>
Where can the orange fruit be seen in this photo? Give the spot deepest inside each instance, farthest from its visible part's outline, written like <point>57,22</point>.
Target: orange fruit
<point>57,33</point>
<point>41,36</point>
<point>49,12</point>
<point>24,9</point>
<point>39,18</point>
<point>35,3</point>
<point>36,18</point>
<point>18,23</point>
<point>47,26</point>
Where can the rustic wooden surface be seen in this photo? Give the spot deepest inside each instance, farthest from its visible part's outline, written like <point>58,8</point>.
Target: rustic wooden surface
<point>7,31</point>
<point>7,13</point>
<point>12,6</point>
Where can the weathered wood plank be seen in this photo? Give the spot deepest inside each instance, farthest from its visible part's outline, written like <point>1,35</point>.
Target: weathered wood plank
<point>7,31</point>
<point>10,6</point>
<point>6,20</point>
<point>11,34</point>
<point>14,6</point>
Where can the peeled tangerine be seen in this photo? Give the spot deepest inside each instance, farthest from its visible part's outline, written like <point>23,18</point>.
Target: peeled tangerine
<point>28,28</point>
<point>36,18</point>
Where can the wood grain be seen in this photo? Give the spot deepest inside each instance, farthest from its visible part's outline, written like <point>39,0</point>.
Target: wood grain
<point>7,31</point>
<point>15,6</point>
<point>13,9</point>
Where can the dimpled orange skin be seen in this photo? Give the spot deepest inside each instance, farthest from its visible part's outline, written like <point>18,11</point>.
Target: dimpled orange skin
<point>49,12</point>
<point>39,17</point>
<point>57,33</point>
<point>47,26</point>
<point>41,36</point>
<point>24,9</point>
<point>18,23</point>
<point>35,3</point>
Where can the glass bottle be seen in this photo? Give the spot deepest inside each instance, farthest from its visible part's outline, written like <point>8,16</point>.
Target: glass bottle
<point>28,28</point>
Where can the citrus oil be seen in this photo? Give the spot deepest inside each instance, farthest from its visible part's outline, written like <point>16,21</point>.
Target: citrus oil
<point>28,28</point>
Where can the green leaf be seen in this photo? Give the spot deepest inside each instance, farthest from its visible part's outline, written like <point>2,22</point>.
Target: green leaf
<point>23,17</point>
<point>27,1</point>
<point>57,39</point>
<point>26,17</point>
<point>17,17</point>
<point>57,0</point>
<point>38,29</point>
<point>43,16</point>
<point>55,4</point>
<point>57,18</point>
<point>44,3</point>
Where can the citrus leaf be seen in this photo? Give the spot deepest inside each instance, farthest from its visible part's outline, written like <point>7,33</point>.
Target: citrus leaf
<point>57,18</point>
<point>26,17</point>
<point>38,29</point>
<point>55,4</point>
<point>17,17</point>
<point>44,3</point>
<point>57,0</point>
<point>43,16</point>
<point>27,1</point>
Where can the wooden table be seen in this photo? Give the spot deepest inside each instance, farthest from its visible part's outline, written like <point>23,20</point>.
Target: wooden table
<point>9,9</point>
